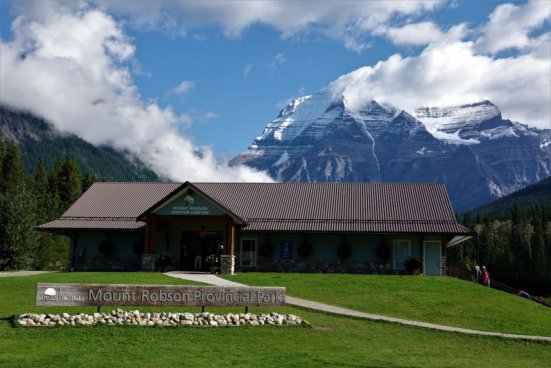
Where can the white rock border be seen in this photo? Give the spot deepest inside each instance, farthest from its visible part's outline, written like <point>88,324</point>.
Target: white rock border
<point>135,317</point>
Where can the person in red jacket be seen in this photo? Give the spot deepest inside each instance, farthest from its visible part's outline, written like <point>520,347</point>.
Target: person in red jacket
<point>485,276</point>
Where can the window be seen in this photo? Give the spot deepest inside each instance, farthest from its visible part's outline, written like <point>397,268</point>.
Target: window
<point>402,251</point>
<point>248,252</point>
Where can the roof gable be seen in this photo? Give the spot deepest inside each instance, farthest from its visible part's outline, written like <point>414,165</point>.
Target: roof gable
<point>188,200</point>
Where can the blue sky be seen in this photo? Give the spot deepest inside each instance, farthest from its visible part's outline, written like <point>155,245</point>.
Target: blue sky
<point>217,73</point>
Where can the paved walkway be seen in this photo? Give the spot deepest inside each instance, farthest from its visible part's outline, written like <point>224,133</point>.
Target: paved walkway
<point>22,273</point>
<point>214,280</point>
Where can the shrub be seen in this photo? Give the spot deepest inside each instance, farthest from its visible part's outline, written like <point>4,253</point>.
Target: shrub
<point>164,262</point>
<point>413,266</point>
<point>344,251</point>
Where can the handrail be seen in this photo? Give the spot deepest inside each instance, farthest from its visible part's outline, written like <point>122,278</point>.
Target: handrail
<point>464,273</point>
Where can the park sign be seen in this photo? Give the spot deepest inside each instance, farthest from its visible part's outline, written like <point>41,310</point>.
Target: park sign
<point>55,294</point>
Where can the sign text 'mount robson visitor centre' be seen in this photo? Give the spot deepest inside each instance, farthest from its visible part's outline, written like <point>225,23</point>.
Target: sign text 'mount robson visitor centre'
<point>53,294</point>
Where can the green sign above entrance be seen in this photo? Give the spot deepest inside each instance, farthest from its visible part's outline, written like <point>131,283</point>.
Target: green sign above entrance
<point>189,204</point>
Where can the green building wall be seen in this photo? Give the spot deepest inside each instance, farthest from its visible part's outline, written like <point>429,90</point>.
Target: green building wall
<point>126,254</point>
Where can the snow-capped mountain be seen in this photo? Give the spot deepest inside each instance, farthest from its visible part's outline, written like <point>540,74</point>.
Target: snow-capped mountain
<point>479,155</point>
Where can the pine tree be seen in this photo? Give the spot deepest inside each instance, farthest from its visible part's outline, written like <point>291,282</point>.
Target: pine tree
<point>18,240</point>
<point>69,182</point>
<point>2,154</point>
<point>88,180</point>
<point>12,170</point>
<point>42,193</point>
<point>56,208</point>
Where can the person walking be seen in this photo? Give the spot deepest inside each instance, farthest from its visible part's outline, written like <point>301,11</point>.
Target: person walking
<point>485,276</point>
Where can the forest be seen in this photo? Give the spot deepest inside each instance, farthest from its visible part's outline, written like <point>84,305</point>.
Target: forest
<point>514,245</point>
<point>30,200</point>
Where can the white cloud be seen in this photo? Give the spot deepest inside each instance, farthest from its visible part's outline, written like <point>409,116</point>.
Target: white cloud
<point>277,61</point>
<point>348,21</point>
<point>510,26</point>
<point>70,66</point>
<point>447,74</point>
<point>414,34</point>
<point>451,71</point>
<point>184,87</point>
<point>247,70</point>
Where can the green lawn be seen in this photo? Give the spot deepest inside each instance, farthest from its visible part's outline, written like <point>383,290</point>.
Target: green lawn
<point>331,342</point>
<point>442,300</point>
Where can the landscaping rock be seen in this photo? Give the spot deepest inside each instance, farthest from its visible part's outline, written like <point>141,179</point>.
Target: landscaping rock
<point>119,317</point>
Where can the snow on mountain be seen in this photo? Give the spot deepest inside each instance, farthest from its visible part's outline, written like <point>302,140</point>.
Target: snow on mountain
<point>453,118</point>
<point>478,155</point>
<point>296,116</point>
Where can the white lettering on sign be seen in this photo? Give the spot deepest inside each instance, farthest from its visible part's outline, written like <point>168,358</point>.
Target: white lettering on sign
<point>189,210</point>
<point>115,295</point>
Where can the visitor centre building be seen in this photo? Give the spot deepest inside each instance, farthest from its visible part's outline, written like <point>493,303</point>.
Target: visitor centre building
<point>281,227</point>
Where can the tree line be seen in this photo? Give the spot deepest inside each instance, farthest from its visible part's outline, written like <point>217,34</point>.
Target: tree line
<point>514,245</point>
<point>27,201</point>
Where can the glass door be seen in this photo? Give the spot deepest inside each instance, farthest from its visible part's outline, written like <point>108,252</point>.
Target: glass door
<point>248,252</point>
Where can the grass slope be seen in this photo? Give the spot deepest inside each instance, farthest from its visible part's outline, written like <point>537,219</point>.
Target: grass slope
<point>440,300</point>
<point>331,342</point>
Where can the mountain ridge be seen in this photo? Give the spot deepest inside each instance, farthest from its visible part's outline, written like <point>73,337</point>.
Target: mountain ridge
<point>38,140</point>
<point>474,151</point>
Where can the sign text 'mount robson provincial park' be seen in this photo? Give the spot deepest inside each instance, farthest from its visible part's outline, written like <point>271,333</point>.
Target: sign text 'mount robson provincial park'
<point>53,294</point>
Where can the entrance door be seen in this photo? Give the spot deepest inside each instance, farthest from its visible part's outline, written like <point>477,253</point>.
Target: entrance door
<point>432,257</point>
<point>248,252</point>
<point>195,246</point>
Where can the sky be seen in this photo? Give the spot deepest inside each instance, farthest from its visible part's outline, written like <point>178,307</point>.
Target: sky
<point>187,85</point>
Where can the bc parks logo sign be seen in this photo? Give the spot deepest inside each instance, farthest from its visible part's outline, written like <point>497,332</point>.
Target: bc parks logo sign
<point>50,294</point>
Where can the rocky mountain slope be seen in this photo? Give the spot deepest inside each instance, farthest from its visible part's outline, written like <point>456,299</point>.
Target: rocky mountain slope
<point>38,140</point>
<point>478,155</point>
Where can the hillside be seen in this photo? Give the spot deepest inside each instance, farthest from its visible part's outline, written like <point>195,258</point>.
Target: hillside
<point>434,299</point>
<point>535,194</point>
<point>38,140</point>
<point>333,341</point>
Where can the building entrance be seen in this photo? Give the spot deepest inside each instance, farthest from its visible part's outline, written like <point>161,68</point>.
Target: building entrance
<point>196,246</point>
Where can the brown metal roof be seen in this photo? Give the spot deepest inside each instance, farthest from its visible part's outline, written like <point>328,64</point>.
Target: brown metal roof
<point>92,224</point>
<point>319,207</point>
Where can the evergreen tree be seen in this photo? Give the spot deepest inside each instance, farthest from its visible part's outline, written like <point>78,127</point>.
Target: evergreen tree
<point>2,154</point>
<point>56,208</point>
<point>539,259</point>
<point>42,194</point>
<point>88,180</point>
<point>18,240</point>
<point>69,182</point>
<point>12,170</point>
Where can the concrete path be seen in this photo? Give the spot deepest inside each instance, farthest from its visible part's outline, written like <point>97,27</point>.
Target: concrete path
<point>22,273</point>
<point>208,278</point>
